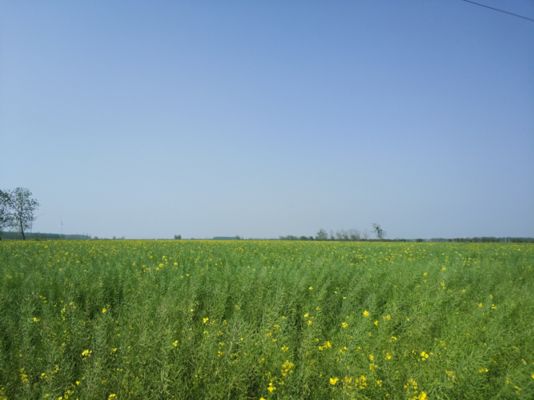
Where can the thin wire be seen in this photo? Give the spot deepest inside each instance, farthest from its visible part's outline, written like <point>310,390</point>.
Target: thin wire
<point>500,10</point>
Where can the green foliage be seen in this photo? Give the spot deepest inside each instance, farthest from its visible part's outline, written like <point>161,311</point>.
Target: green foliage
<point>271,319</point>
<point>5,210</point>
<point>17,208</point>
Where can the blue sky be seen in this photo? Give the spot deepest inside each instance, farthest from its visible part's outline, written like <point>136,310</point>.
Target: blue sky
<point>266,118</point>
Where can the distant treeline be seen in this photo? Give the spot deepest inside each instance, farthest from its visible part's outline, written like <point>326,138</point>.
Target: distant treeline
<point>351,235</point>
<point>43,236</point>
<point>356,236</point>
<point>470,240</point>
<point>483,239</point>
<point>339,237</point>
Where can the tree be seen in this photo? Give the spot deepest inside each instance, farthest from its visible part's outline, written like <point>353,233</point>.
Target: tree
<point>340,235</point>
<point>5,211</point>
<point>321,235</point>
<point>23,206</point>
<point>354,235</point>
<point>379,231</point>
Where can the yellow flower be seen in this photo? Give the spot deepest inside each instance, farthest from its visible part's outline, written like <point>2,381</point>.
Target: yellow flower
<point>365,314</point>
<point>287,367</point>
<point>24,376</point>
<point>271,388</point>
<point>375,323</point>
<point>104,310</point>
<point>422,396</point>
<point>175,344</point>
<point>36,319</point>
<point>112,396</point>
<point>205,320</point>
<point>362,382</point>
<point>411,384</point>
<point>389,356</point>
<point>333,380</point>
<point>86,353</point>
<point>326,345</point>
<point>532,375</point>
<point>387,317</point>
<point>424,356</point>
<point>483,370</point>
<point>480,305</point>
<point>344,325</point>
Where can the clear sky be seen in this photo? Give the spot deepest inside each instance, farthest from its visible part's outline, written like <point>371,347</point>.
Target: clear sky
<point>146,119</point>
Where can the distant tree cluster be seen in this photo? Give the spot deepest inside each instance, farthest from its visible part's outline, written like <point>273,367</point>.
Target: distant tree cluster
<point>293,237</point>
<point>350,235</point>
<point>17,210</point>
<point>341,235</point>
<point>487,239</point>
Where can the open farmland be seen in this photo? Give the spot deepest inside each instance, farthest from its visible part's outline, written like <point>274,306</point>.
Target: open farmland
<point>260,319</point>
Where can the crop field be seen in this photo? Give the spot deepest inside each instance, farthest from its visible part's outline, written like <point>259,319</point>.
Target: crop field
<point>265,320</point>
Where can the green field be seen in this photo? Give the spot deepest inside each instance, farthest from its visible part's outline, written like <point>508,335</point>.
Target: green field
<point>266,319</point>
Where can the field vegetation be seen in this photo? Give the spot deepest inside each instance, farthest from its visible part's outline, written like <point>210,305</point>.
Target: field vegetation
<point>266,319</point>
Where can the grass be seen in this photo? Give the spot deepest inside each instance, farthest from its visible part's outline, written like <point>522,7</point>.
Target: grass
<point>278,320</point>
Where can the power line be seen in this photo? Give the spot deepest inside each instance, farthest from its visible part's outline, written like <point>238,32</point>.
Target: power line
<point>500,10</point>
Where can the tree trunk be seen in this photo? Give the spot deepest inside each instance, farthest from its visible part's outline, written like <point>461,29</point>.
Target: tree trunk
<point>22,231</point>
